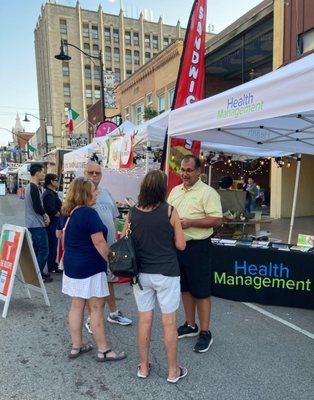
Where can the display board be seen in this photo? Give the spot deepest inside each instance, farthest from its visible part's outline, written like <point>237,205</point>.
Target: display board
<point>17,256</point>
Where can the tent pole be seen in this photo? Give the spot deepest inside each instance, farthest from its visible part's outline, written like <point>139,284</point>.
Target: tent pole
<point>209,174</point>
<point>295,194</point>
<point>147,158</point>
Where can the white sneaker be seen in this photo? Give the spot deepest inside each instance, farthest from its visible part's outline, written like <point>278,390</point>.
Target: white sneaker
<point>87,326</point>
<point>118,318</point>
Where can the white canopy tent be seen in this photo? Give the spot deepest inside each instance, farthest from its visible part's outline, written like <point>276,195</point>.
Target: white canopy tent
<point>273,113</point>
<point>153,131</point>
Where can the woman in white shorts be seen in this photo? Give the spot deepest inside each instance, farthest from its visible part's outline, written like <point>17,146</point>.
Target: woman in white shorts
<point>85,264</point>
<point>157,232</point>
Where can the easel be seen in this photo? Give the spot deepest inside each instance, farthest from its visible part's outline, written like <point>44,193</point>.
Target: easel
<point>17,256</point>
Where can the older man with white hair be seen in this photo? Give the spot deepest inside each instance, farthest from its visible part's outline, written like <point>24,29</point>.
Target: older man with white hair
<point>108,212</point>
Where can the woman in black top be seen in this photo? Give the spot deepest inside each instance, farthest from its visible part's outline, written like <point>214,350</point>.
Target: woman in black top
<point>157,233</point>
<point>52,205</point>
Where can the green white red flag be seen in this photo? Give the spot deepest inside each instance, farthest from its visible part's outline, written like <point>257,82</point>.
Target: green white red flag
<point>72,116</point>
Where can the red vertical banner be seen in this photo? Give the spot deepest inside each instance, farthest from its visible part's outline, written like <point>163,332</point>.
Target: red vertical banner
<point>190,85</point>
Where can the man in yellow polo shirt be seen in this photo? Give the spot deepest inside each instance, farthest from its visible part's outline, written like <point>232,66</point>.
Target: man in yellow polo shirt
<point>199,208</point>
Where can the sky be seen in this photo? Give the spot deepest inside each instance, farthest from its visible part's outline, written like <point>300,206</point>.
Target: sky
<point>18,84</point>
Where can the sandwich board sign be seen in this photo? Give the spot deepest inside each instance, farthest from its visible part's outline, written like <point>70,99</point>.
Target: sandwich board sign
<point>18,260</point>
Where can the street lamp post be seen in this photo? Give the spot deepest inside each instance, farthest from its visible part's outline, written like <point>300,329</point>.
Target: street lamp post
<point>45,127</point>
<point>62,56</point>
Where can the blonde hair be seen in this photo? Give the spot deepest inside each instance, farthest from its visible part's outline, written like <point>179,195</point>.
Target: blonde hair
<point>79,194</point>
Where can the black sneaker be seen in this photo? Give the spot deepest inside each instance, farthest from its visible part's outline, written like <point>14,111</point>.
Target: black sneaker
<point>187,330</point>
<point>46,277</point>
<point>204,342</point>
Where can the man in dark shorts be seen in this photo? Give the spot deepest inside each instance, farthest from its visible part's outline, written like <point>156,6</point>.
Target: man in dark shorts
<point>199,208</point>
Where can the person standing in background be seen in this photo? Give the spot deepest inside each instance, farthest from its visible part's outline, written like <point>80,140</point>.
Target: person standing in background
<point>252,193</point>
<point>199,208</point>
<point>36,219</point>
<point>52,205</point>
<point>108,212</point>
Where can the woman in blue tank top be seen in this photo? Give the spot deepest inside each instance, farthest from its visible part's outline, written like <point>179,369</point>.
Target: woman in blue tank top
<point>157,233</point>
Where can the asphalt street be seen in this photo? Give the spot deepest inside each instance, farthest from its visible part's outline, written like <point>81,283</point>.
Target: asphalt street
<point>253,355</point>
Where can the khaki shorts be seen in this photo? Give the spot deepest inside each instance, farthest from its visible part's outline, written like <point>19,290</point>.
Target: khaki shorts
<point>166,289</point>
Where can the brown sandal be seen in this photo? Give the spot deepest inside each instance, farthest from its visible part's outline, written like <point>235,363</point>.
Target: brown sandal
<point>85,348</point>
<point>117,357</point>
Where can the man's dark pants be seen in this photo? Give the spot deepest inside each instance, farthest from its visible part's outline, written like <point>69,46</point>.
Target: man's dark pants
<point>40,244</point>
<point>53,245</point>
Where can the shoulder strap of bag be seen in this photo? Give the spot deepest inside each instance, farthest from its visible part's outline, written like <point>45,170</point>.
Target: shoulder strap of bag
<point>63,231</point>
<point>171,210</point>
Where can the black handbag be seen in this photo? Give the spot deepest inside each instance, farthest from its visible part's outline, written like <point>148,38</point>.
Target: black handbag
<point>122,257</point>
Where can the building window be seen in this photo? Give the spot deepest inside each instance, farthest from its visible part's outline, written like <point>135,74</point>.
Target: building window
<point>65,68</point>
<point>87,48</point>
<point>88,92</point>
<point>166,41</point>
<point>128,56</point>
<point>170,96</point>
<point>136,39</point>
<point>117,74</point>
<point>96,72</point>
<point>66,89</point>
<point>95,50</point>
<point>149,99</point>
<point>139,113</point>
<point>87,71</point>
<point>155,42</point>
<point>136,57</point>
<point>305,42</point>
<point>128,73</point>
<point>117,54</point>
<point>147,41</point>
<point>95,32</point>
<point>63,26</point>
<point>97,92</point>
<point>85,30</point>
<point>67,106</point>
<point>127,114</point>
<point>116,36</point>
<point>147,56</point>
<point>108,53</point>
<point>127,37</point>
<point>161,103</point>
<point>107,34</point>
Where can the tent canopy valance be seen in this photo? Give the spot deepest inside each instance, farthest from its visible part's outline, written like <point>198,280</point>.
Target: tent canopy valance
<point>272,113</point>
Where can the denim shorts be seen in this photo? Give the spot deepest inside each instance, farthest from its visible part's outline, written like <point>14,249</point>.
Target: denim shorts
<point>166,289</point>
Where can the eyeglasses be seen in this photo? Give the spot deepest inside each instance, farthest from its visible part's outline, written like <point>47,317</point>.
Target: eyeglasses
<point>187,171</point>
<point>93,173</point>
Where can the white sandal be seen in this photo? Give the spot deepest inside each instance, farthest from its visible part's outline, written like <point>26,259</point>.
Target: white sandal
<point>183,374</point>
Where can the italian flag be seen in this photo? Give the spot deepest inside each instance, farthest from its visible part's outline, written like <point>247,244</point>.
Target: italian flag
<point>72,116</point>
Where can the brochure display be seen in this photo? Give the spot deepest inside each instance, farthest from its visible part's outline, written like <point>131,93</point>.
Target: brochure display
<point>18,260</point>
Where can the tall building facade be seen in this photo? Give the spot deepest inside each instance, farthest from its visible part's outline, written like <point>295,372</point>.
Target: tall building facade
<point>152,86</point>
<point>126,45</point>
